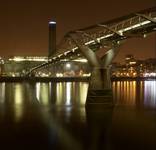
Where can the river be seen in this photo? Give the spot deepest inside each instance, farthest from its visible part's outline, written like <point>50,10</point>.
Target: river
<point>44,116</point>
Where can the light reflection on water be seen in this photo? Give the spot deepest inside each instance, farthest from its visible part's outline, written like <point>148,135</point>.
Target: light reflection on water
<point>67,99</point>
<point>150,93</point>
<point>2,92</point>
<point>18,90</point>
<point>72,94</point>
<point>135,93</point>
<point>75,93</point>
<point>65,93</point>
<point>124,92</point>
<point>42,92</point>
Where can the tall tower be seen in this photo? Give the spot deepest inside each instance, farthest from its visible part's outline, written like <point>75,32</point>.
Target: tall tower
<point>52,38</point>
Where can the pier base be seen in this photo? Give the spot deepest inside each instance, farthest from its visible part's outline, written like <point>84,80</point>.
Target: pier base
<point>100,97</point>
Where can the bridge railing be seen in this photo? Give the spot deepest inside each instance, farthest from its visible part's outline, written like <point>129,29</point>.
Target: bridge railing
<point>98,32</point>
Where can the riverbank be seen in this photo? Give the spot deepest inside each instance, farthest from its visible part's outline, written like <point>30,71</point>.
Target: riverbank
<point>132,78</point>
<point>44,79</point>
<point>68,79</point>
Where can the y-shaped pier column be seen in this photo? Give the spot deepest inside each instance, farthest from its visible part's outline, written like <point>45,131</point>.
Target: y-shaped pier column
<point>100,82</point>
<point>99,91</point>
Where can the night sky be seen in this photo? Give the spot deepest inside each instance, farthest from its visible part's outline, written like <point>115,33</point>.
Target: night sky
<point>24,24</point>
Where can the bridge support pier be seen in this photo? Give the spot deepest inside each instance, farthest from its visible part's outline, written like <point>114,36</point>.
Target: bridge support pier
<point>99,91</point>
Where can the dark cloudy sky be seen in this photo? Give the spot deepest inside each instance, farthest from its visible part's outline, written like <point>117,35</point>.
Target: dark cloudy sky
<point>24,23</point>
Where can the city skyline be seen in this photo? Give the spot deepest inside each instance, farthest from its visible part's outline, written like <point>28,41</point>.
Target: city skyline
<point>24,25</point>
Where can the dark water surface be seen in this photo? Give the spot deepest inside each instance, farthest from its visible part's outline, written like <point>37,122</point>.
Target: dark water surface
<point>46,116</point>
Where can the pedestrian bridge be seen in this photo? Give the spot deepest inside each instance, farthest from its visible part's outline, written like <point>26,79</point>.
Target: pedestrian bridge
<point>106,36</point>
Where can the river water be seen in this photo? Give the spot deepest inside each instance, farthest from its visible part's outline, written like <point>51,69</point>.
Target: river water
<point>44,116</point>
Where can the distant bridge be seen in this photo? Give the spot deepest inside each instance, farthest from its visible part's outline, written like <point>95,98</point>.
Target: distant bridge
<point>108,36</point>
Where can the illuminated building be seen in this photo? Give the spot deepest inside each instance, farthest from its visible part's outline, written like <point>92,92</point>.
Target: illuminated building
<point>18,66</point>
<point>134,68</point>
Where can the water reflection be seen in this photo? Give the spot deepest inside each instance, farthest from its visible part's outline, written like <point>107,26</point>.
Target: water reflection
<point>150,93</point>
<point>53,116</point>
<point>2,93</point>
<point>62,93</point>
<point>124,92</point>
<point>19,98</point>
<point>43,93</point>
<point>68,93</point>
<point>18,93</point>
<point>73,94</point>
<point>59,93</point>
<point>65,99</point>
<point>135,93</point>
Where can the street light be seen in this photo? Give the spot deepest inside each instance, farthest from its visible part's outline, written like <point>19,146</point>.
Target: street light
<point>68,65</point>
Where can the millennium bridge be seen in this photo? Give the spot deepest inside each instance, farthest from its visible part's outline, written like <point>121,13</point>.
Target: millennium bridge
<point>105,38</point>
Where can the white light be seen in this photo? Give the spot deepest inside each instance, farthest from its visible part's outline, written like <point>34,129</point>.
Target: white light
<point>90,42</point>
<point>18,59</point>
<point>60,55</point>
<point>106,36</point>
<point>64,60</point>
<point>66,52</point>
<point>132,62</point>
<point>38,91</point>
<point>134,26</point>
<point>68,65</point>
<point>52,22</point>
<point>44,75</point>
<point>81,60</point>
<point>152,74</point>
<point>86,74</point>
<point>75,48</point>
<point>59,75</point>
<point>68,93</point>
